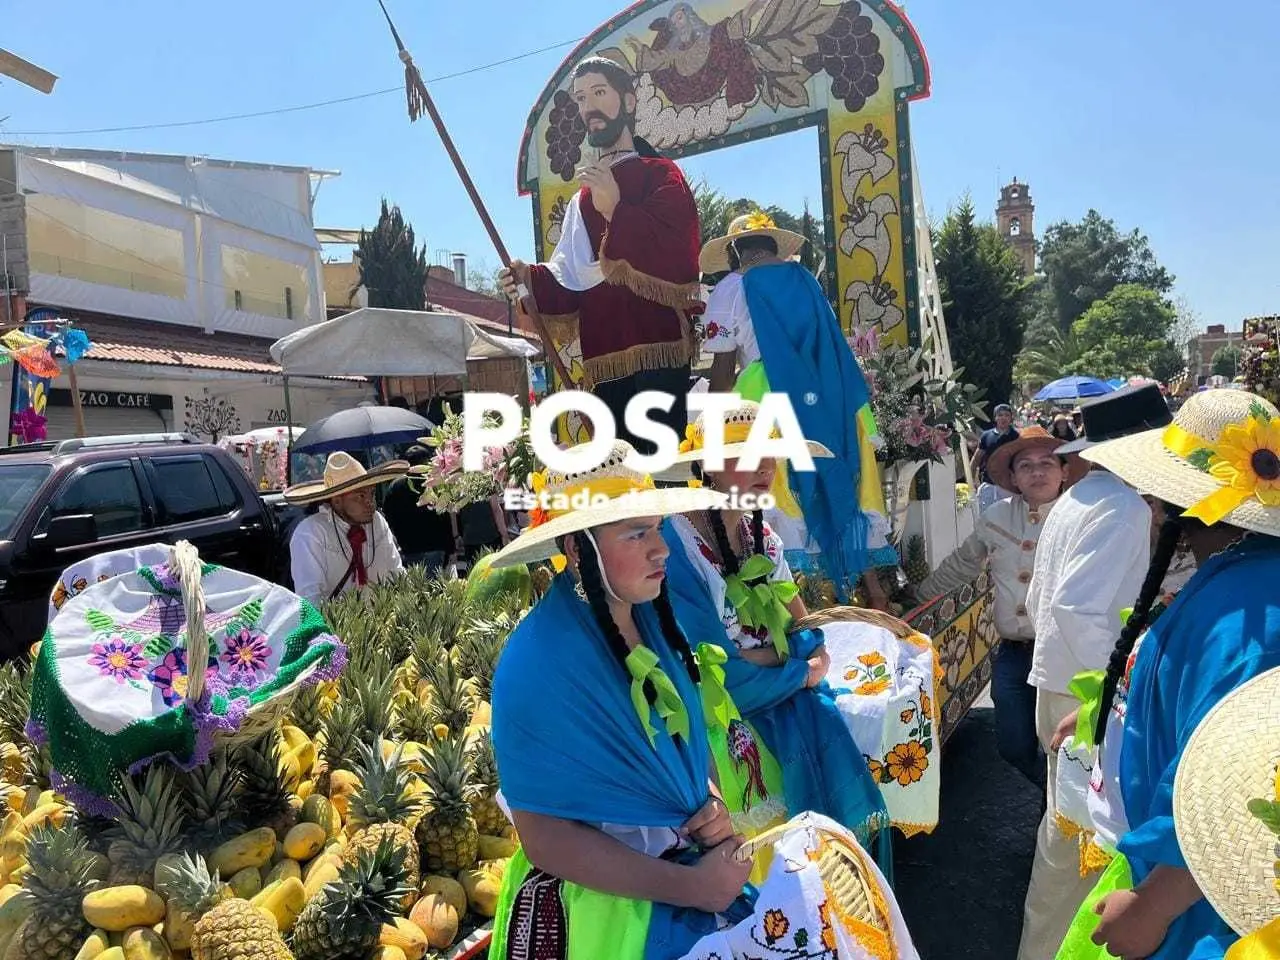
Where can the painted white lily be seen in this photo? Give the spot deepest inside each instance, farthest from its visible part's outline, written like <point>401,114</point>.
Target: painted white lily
<point>864,154</point>
<point>874,304</point>
<point>866,229</point>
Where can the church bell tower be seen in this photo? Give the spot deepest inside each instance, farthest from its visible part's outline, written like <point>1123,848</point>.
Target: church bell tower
<point>1015,218</point>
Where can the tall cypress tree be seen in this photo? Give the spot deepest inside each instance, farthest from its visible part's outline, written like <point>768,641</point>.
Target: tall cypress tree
<point>985,300</point>
<point>392,267</point>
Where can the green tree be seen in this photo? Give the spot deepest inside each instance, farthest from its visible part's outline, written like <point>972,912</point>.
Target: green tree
<point>1225,362</point>
<point>985,300</point>
<point>1047,352</point>
<point>1083,262</point>
<point>392,267</point>
<point>1124,333</point>
<point>716,211</point>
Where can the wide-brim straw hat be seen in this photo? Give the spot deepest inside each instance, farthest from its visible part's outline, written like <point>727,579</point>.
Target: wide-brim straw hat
<point>343,473</point>
<point>1219,459</point>
<point>737,428</point>
<point>714,257</point>
<point>610,493</point>
<point>1231,760</point>
<point>1000,463</point>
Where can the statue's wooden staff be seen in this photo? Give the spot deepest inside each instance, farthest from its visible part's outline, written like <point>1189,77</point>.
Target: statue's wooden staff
<point>420,101</point>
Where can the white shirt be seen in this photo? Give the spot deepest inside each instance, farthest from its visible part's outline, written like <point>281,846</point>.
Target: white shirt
<point>320,554</point>
<point>1006,536</point>
<point>704,559</point>
<point>726,324</point>
<point>1090,563</point>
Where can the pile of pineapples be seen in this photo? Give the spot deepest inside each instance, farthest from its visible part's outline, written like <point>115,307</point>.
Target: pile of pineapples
<point>364,826</point>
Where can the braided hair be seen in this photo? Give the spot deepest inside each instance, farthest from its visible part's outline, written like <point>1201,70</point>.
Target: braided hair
<point>593,587</point>
<point>1171,532</point>
<point>729,558</point>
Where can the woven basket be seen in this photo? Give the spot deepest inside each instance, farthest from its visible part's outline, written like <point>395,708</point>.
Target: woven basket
<point>259,720</point>
<point>851,886</point>
<point>876,618</point>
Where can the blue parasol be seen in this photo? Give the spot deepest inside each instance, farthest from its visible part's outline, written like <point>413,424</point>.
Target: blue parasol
<point>1074,388</point>
<point>362,428</point>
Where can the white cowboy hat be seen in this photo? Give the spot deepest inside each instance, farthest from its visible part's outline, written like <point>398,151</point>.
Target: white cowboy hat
<point>1230,762</point>
<point>1220,459</point>
<point>714,257</point>
<point>343,473</point>
<point>609,493</point>
<point>737,427</point>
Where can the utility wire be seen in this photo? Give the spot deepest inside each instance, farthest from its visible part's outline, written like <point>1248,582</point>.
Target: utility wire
<point>293,109</point>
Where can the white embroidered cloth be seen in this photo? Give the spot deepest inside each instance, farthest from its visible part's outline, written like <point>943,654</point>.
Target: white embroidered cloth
<point>797,915</point>
<point>887,693</point>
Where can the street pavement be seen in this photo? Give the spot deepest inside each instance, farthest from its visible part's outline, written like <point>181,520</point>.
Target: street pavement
<point>961,888</point>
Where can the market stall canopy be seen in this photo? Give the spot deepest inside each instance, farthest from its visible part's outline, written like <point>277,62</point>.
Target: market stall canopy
<point>376,342</point>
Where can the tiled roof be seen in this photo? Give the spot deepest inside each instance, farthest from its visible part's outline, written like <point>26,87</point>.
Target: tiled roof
<point>129,353</point>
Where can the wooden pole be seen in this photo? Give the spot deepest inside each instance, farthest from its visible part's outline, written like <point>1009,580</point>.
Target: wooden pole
<point>76,404</point>
<point>288,424</point>
<point>420,99</point>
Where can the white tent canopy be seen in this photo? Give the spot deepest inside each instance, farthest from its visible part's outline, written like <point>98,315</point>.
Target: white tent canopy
<point>376,342</point>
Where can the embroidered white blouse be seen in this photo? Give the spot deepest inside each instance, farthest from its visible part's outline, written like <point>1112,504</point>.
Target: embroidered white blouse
<point>726,324</point>
<point>703,557</point>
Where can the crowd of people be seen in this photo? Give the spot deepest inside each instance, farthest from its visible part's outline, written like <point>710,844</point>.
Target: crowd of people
<point>695,743</point>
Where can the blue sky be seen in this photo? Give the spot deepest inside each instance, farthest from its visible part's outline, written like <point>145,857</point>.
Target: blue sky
<point>1158,114</point>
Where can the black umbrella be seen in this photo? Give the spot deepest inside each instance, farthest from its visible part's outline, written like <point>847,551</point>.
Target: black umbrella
<point>363,428</point>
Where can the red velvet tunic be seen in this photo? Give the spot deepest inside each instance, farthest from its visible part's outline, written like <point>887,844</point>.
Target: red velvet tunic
<point>649,256</point>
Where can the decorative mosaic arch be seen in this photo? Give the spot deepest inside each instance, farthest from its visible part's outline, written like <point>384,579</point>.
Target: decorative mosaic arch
<point>712,74</point>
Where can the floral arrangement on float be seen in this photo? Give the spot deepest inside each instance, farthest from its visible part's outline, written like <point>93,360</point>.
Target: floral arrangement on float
<point>446,486</point>
<point>1260,358</point>
<point>922,416</point>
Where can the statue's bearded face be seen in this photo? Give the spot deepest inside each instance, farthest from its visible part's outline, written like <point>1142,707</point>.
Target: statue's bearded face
<point>605,111</point>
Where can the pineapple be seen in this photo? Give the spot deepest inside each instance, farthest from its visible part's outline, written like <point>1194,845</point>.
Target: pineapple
<point>61,865</point>
<point>447,833</point>
<point>226,927</point>
<point>452,699</point>
<point>265,799</point>
<point>211,799</point>
<point>151,825</point>
<point>344,920</point>
<point>381,809</point>
<point>309,709</point>
<point>479,649</point>
<point>369,682</point>
<point>340,737</point>
<point>917,566</point>
<point>413,718</point>
<point>490,820</point>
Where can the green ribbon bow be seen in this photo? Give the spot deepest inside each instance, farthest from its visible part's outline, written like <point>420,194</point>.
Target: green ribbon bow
<point>764,604</point>
<point>1087,688</point>
<point>642,664</point>
<point>717,708</point>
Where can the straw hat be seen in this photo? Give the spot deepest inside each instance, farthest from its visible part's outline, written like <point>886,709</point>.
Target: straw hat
<point>610,493</point>
<point>344,474</point>
<point>1230,761</point>
<point>1000,463</point>
<point>715,254</point>
<point>737,428</point>
<point>1220,458</point>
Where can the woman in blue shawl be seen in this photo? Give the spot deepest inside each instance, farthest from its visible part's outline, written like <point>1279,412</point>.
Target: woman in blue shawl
<point>605,723</point>
<point>1218,467</point>
<point>731,587</point>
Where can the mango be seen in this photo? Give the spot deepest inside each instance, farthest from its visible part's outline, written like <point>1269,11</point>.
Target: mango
<point>116,909</point>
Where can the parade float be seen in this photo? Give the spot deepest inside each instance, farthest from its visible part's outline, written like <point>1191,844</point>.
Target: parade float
<point>716,75</point>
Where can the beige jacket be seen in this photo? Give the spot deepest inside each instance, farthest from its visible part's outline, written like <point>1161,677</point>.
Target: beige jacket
<point>1005,537</point>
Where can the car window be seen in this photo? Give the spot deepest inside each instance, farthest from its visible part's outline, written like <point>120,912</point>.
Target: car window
<point>109,492</point>
<point>185,490</point>
<point>227,495</point>
<point>19,482</point>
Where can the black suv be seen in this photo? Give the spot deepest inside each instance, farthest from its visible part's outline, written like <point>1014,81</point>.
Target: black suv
<point>63,502</point>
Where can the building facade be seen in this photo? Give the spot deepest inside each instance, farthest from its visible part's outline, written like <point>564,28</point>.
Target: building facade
<point>182,271</point>
<point>1200,350</point>
<point>1015,219</point>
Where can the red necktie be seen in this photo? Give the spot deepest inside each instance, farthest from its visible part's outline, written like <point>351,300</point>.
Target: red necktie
<point>356,537</point>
